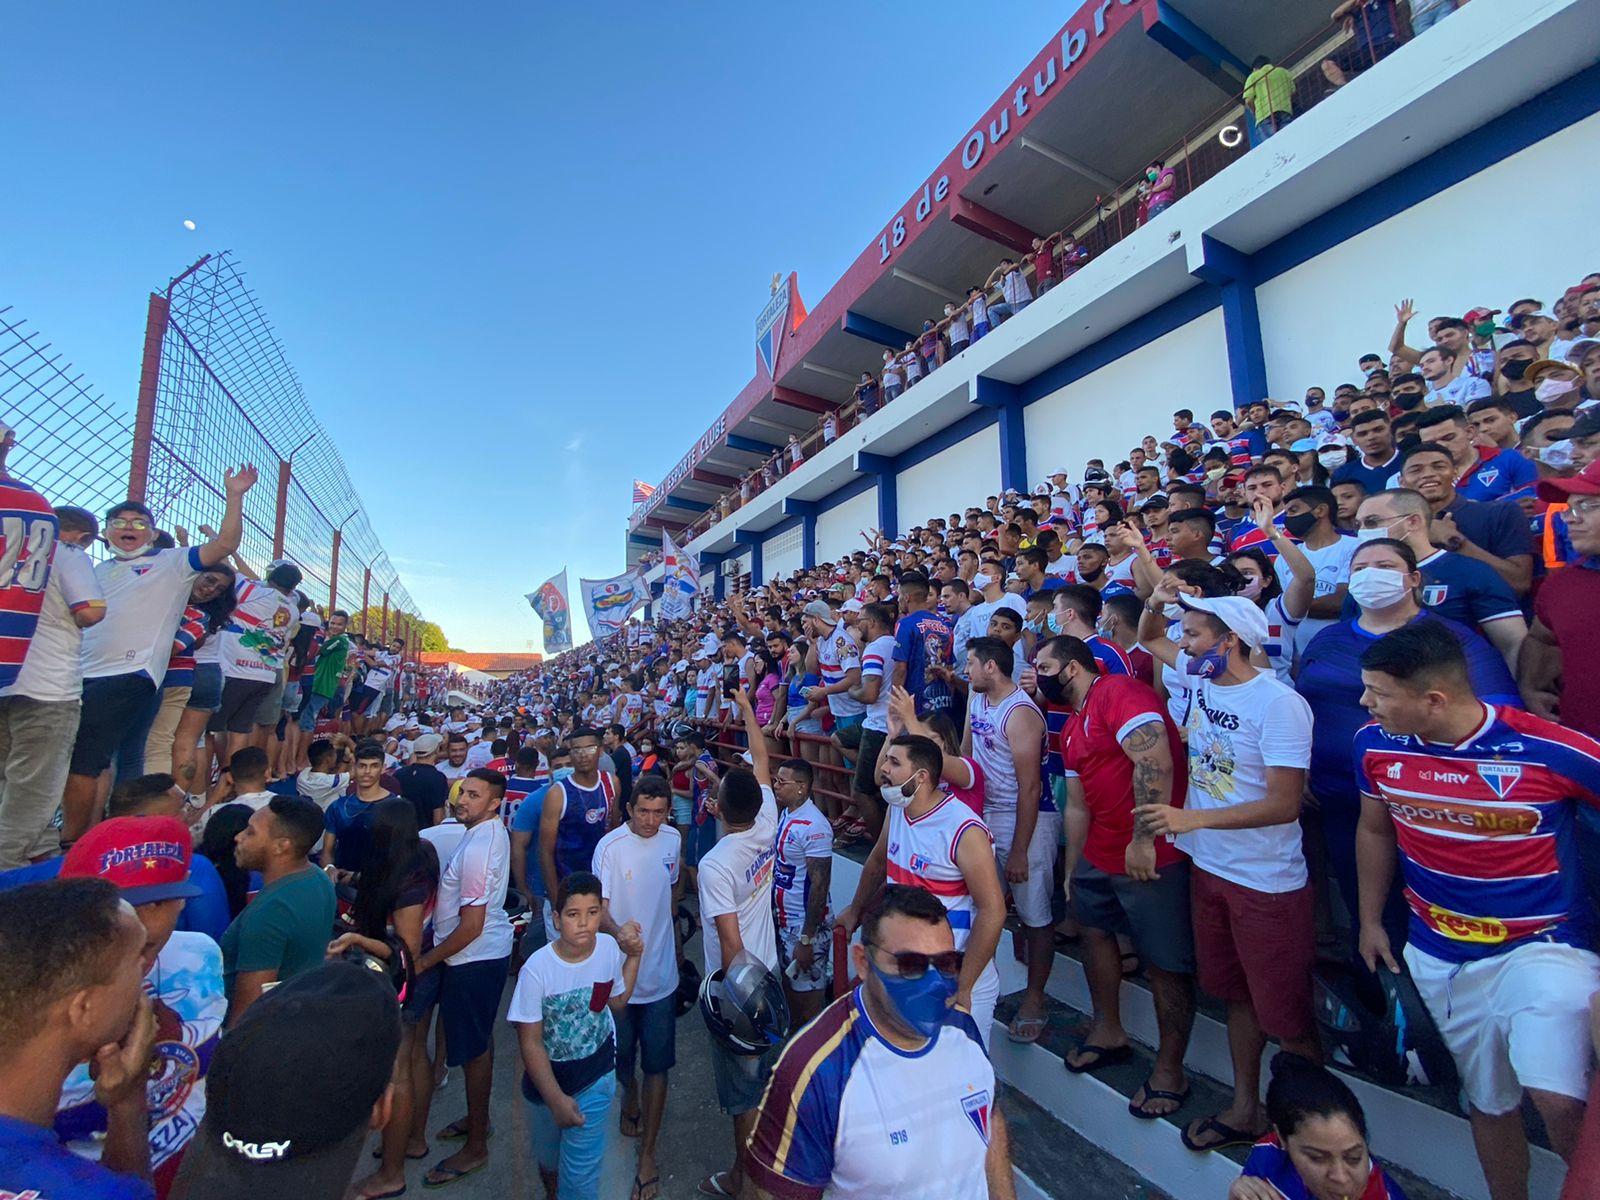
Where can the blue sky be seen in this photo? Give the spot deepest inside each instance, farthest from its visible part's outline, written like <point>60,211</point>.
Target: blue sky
<point>515,251</point>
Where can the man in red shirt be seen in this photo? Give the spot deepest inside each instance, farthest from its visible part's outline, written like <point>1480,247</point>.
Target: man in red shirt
<point>1559,667</point>
<point>1121,751</point>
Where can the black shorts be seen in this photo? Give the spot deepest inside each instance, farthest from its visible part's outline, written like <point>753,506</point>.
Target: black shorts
<point>866,777</point>
<point>1154,914</point>
<point>469,1001</point>
<point>360,697</point>
<point>112,704</point>
<point>240,699</point>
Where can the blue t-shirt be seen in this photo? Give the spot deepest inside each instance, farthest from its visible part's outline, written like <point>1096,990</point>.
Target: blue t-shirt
<point>922,640</point>
<point>1330,681</point>
<point>1374,479</point>
<point>206,913</point>
<point>34,1163</point>
<point>1497,477</point>
<point>1498,526</point>
<point>526,820</point>
<point>349,819</point>
<point>1460,589</point>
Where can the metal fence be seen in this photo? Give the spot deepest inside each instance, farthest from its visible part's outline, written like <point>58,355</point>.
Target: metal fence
<point>216,390</point>
<point>71,444</point>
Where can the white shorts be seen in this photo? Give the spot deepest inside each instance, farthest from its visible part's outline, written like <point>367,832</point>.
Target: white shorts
<point>1517,1020</point>
<point>1032,897</point>
<point>821,973</point>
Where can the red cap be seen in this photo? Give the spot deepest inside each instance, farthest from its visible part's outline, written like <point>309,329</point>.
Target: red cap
<point>146,857</point>
<point>1478,314</point>
<point>1585,483</point>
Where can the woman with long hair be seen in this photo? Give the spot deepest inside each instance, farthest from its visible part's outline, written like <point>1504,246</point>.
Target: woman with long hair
<point>395,889</point>
<point>216,843</point>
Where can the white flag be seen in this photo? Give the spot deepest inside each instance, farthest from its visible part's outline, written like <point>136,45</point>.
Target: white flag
<point>680,580</point>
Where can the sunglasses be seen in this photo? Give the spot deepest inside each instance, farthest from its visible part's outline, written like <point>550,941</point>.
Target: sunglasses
<point>912,964</point>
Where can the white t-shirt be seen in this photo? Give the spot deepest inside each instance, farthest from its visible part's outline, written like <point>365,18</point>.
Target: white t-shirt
<point>1235,734</point>
<point>837,654</point>
<point>255,642</point>
<point>636,877</point>
<point>736,877</point>
<point>53,668</point>
<point>445,836</point>
<point>877,661</point>
<point>802,834</point>
<point>145,597</point>
<point>571,1000</point>
<point>1332,567</point>
<point>476,874</point>
<point>451,772</point>
<point>479,754</point>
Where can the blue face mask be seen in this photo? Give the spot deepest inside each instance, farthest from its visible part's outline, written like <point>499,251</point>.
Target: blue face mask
<point>1208,665</point>
<point>561,773</point>
<point>920,1003</point>
<point>1053,622</point>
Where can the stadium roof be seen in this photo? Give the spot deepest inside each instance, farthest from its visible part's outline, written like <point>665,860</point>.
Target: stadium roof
<point>1124,81</point>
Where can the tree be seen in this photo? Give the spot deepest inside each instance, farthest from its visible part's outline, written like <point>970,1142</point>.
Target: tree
<point>433,638</point>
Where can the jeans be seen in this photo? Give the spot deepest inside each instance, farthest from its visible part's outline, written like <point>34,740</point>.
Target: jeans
<point>311,709</point>
<point>575,1154</point>
<point>1425,14</point>
<point>35,743</point>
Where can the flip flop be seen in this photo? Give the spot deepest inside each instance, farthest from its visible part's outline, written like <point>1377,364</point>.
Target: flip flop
<point>456,1131</point>
<point>451,1175</point>
<point>640,1186</point>
<point>378,1153</point>
<point>1140,1110</point>
<point>1227,1136</point>
<point>399,1191</point>
<point>1101,1056</point>
<point>1026,1030</point>
<point>712,1185</point>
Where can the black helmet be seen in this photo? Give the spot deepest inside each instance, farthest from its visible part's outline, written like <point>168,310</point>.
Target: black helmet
<point>688,994</point>
<point>1385,1032</point>
<point>744,1006</point>
<point>678,731</point>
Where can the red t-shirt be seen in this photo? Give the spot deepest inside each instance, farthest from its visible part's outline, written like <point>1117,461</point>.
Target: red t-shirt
<point>1044,264</point>
<point>1566,604</point>
<point>1091,749</point>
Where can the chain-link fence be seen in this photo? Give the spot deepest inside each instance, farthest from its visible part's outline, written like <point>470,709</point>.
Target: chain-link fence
<point>71,444</point>
<point>217,390</point>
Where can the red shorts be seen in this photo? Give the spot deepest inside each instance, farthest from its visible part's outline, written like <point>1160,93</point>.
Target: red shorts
<point>1258,947</point>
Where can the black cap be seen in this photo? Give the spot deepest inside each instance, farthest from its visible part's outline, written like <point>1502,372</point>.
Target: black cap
<point>292,1086</point>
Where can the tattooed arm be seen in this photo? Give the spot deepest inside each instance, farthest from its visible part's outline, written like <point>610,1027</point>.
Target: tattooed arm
<point>1147,747</point>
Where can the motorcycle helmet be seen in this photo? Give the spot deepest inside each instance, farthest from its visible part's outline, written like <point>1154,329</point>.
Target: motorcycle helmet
<point>744,1006</point>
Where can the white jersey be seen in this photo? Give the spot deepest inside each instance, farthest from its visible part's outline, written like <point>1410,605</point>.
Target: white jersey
<point>849,1116</point>
<point>255,641</point>
<point>802,834</point>
<point>838,654</point>
<point>991,746</point>
<point>922,853</point>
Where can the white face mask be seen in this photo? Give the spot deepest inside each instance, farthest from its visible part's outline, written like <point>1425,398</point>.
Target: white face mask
<point>1377,587</point>
<point>1373,534</point>
<point>1332,458</point>
<point>898,795</point>
<point>1556,454</point>
<point>1551,390</point>
<point>981,580</point>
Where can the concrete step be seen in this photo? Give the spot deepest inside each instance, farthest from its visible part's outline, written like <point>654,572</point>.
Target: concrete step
<point>1418,1132</point>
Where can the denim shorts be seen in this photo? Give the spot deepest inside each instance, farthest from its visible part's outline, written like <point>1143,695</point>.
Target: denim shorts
<point>205,694</point>
<point>740,1078</point>
<point>648,1031</point>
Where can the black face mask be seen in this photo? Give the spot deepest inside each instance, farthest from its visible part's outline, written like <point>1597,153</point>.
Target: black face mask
<point>1406,400</point>
<point>1091,576</point>
<point>1515,369</point>
<point>1053,688</point>
<point>1300,524</point>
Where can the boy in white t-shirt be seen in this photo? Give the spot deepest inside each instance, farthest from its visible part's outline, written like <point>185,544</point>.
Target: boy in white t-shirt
<point>562,1006</point>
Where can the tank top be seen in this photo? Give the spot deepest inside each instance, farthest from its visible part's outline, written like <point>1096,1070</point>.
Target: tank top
<point>992,749</point>
<point>583,823</point>
<point>922,853</point>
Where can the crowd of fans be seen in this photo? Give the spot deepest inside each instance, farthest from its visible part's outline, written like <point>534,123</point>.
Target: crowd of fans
<point>1291,697</point>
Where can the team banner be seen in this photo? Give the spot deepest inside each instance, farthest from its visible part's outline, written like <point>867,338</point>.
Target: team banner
<point>550,603</point>
<point>680,580</point>
<point>610,602</point>
<point>782,316</point>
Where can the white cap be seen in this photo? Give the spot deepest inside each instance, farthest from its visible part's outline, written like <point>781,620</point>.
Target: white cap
<point>1237,613</point>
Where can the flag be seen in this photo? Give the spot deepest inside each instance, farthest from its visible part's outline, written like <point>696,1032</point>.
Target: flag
<point>680,580</point>
<point>610,602</point>
<point>784,313</point>
<point>642,491</point>
<point>550,603</point>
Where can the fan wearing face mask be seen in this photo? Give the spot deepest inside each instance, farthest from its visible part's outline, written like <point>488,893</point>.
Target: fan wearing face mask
<point>933,841</point>
<point>1385,585</point>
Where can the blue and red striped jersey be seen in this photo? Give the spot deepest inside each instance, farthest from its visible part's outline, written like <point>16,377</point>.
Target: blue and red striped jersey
<point>28,530</point>
<point>1485,831</point>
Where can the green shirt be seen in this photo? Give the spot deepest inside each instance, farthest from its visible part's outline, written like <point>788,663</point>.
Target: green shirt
<point>286,928</point>
<point>1269,90</point>
<point>330,665</point>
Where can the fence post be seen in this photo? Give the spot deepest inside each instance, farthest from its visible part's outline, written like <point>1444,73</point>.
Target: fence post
<point>366,598</point>
<point>383,634</point>
<point>333,582</point>
<point>280,514</point>
<point>144,418</point>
